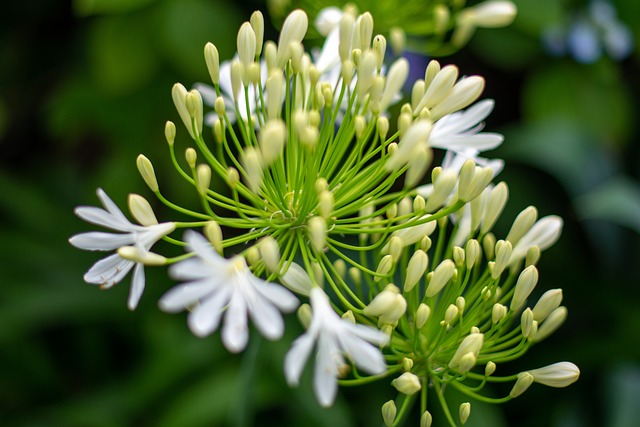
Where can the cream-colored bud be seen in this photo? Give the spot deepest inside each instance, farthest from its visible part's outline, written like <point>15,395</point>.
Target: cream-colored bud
<point>270,56</point>
<point>317,228</point>
<point>503,255</point>
<point>442,188</point>
<point>219,106</point>
<point>395,247</point>
<point>467,362</point>
<point>382,124</point>
<point>524,381</point>
<point>417,92</point>
<point>489,369</point>
<point>380,48</point>
<point>252,256</point>
<point>252,163</point>
<point>179,95</point>
<point>407,383</point>
<point>489,14</point>
<point>472,343</point>
<point>417,134</point>
<point>246,42</point>
<point>389,413</point>
<point>212,58</point>
<point>257,23</point>
<point>203,178</point>
<point>418,204</point>
<point>355,275</point>
<point>214,233</point>
<point>522,224</point>
<point>297,52</point>
<point>438,89</point>
<point>347,26</point>
<point>349,317</point>
<point>270,253</point>
<point>340,267</point>
<point>441,276</point>
<point>548,302</point>
<point>294,29</point>
<point>191,156</point>
<point>364,27</point>
<point>141,210</point>
<point>233,178</point>
<point>170,132</point>
<point>384,267</point>
<point>397,39</point>
<point>366,71</point>
<point>527,281</point>
<point>135,254</point>
<point>489,246</point>
<point>392,211</point>
<point>551,324</point>
<point>218,130</point>
<point>478,209</point>
<point>495,205</point>
<point>422,315</point>
<point>426,419</point>
<point>415,269</point>
<point>325,204</point>
<point>297,279</point>
<point>450,314</point>
<point>193,102</point>
<point>561,374</point>
<point>481,178</point>
<point>498,313</point>
<point>253,74</point>
<point>321,185</point>
<point>404,123</point>
<point>430,73</point>
<point>146,171</point>
<point>464,412</point>
<point>526,323</point>
<point>395,312</point>
<point>463,94</point>
<point>472,253</point>
<point>304,315</point>
<point>407,364</point>
<point>418,165</point>
<point>413,234</point>
<point>359,125</point>
<point>458,256</point>
<point>272,140</point>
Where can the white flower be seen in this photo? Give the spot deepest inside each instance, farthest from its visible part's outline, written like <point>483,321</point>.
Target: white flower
<point>216,285</point>
<point>112,269</point>
<point>335,337</point>
<point>209,95</point>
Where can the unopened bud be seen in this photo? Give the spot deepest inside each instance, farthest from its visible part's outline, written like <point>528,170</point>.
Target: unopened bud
<point>389,413</point>
<point>523,382</point>
<point>422,315</point>
<point>141,210</point>
<point>214,233</point>
<point>317,227</point>
<point>146,171</point>
<point>441,276</point>
<point>407,383</point>
<point>464,412</point>
<point>203,178</point>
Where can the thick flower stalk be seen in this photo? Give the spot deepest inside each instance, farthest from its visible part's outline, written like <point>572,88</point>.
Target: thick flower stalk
<point>319,192</point>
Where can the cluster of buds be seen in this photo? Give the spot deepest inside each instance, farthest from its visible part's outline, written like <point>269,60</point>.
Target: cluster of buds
<point>317,188</point>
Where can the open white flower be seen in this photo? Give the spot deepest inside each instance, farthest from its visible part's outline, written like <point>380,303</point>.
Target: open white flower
<point>216,285</point>
<point>335,337</point>
<point>112,269</point>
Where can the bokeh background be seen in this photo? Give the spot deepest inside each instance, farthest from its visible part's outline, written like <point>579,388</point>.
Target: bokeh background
<point>85,87</point>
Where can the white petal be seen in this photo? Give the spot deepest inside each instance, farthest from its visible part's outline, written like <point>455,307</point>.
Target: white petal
<point>111,207</point>
<point>297,279</point>
<point>328,19</point>
<point>365,355</point>
<point>367,333</point>
<point>147,236</point>
<point>225,78</point>
<point>181,296</point>
<point>325,383</point>
<point>201,246</point>
<point>296,358</point>
<point>98,241</point>
<point>276,294</point>
<point>137,286</point>
<point>458,142</point>
<point>205,318</point>
<point>235,332</point>
<point>109,270</point>
<point>265,317</point>
<point>207,92</point>
<point>190,269</point>
<point>329,55</point>
<point>103,218</point>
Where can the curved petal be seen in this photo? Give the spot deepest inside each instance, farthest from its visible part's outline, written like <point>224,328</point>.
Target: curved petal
<point>201,246</point>
<point>191,269</point>
<point>265,317</point>
<point>111,207</point>
<point>98,241</point>
<point>181,296</point>
<point>108,271</point>
<point>457,142</point>
<point>235,332</point>
<point>103,218</point>
<point>365,355</point>
<point>205,318</point>
<point>325,383</point>
<point>137,286</point>
<point>329,55</point>
<point>276,294</point>
<point>207,92</point>
<point>367,333</point>
<point>296,358</point>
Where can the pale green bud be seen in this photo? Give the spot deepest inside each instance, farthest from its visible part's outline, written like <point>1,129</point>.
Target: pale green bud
<point>523,382</point>
<point>219,106</point>
<point>544,233</point>
<point>191,155</point>
<point>526,323</point>
<point>296,51</point>
<point>481,178</point>
<point>270,253</point>
<point>426,419</point>
<point>246,42</point>
<point>548,302</point>
<point>467,362</point>
<point>474,330</point>
<point>441,276</point>
<point>272,139</point>
<point>340,267</point>
<point>270,56</point>
<point>233,178</point>
<point>257,23</point>
<point>318,274</point>
<point>472,253</point>
<point>252,164</point>
<point>407,364</point>
<point>252,255</point>
<point>203,178</point>
<point>237,77</point>
<point>495,205</point>
<point>294,29</point>
<point>463,94</point>
<point>559,374</point>
<point>396,78</point>
<point>397,38</point>
<point>489,245</point>
<point>415,269</point>
<point>417,134</point>
<point>170,132</point>
<point>551,323</point>
<point>317,228</point>
<point>450,314</point>
<point>218,130</point>
<point>527,281</point>
<point>395,247</point>
<point>489,369</point>
<point>418,165</point>
<point>438,88</point>
<point>253,74</point>
<point>179,95</point>
<point>193,102</point>
<point>146,171</point>
<point>325,204</point>
<point>404,123</point>
<point>503,255</point>
<point>364,27</point>
<point>141,210</point>
<point>461,303</point>
<point>422,315</point>
<point>441,18</point>
<point>349,317</point>
<point>389,413</point>
<point>395,312</point>
<point>382,125</point>
<point>458,256</point>
<point>366,71</point>
<point>407,383</point>
<point>472,343</point>
<point>355,275</point>
<point>135,254</point>
<point>214,233</point>
<point>296,279</point>
<point>522,224</point>
<point>417,92</point>
<point>533,255</point>
<point>359,125</point>
<point>304,315</point>
<point>478,210</point>
<point>379,47</point>
<point>384,267</point>
<point>321,185</point>
<point>392,211</point>
<point>464,412</point>
<point>489,14</point>
<point>419,203</point>
<point>498,313</point>
<point>347,26</point>
<point>212,59</point>
<point>432,70</point>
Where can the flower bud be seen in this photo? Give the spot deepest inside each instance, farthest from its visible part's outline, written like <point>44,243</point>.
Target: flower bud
<point>522,224</point>
<point>523,382</point>
<point>252,164</point>
<point>463,94</point>
<point>548,302</point>
<point>442,188</point>
<point>407,364</point>
<point>407,383</point>
<point>349,317</point>
<point>272,140</point>
<point>397,39</point>
<point>464,412</point>
<point>246,42</point>
<point>426,419</point>
<point>384,267</point>
<point>467,362</point>
<point>415,269</point>
<point>441,276</point>
<point>472,343</point>
<point>526,323</point>
<point>347,26</point>
<point>203,178</point>
<point>146,171</point>
<point>524,286</point>
<point>551,323</point>
<point>422,315</point>
<point>212,59</point>
<point>558,375</point>
<point>170,132</point>
<point>257,23</point>
<point>179,95</point>
<point>294,29</point>
<point>498,313</point>
<point>489,14</point>
<point>438,87</point>
<point>544,233</point>
<point>503,254</point>
<point>495,205</point>
<point>214,233</point>
<point>270,253</point>
<point>135,254</point>
<point>141,210</point>
<point>395,312</point>
<point>472,253</point>
<point>416,134</point>
<point>317,227</point>
<point>389,413</point>
<point>304,315</point>
<point>489,369</point>
<point>296,279</point>
<point>233,178</point>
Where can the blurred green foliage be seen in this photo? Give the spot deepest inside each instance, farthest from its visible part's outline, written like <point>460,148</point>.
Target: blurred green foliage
<point>84,88</point>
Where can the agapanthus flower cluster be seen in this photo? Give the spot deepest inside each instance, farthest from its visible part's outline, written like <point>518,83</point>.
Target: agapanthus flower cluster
<point>320,192</point>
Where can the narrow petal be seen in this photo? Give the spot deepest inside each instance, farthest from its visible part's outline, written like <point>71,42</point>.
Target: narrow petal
<point>190,269</point>
<point>137,286</point>
<point>111,207</point>
<point>325,383</point>
<point>201,246</point>
<point>480,142</point>
<point>296,358</point>
<point>109,270</point>
<point>181,296</point>
<point>207,92</point>
<point>98,241</point>
<point>276,294</point>
<point>235,332</point>
<point>265,316</point>
<point>103,218</point>
<point>367,333</point>
<point>205,318</point>
<point>365,355</point>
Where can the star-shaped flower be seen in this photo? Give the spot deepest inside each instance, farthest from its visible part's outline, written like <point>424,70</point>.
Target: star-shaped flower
<point>216,285</point>
<point>335,338</point>
<point>112,269</point>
